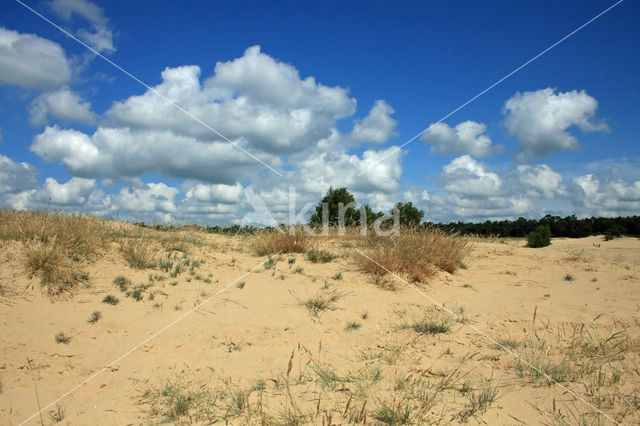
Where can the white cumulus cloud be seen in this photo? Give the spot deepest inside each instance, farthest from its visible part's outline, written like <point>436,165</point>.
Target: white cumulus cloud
<point>467,137</point>
<point>125,153</point>
<point>30,61</point>
<point>466,176</point>
<point>539,181</point>
<point>16,177</point>
<point>63,104</point>
<point>254,97</point>
<point>376,127</point>
<point>606,196</point>
<point>541,119</point>
<point>100,36</point>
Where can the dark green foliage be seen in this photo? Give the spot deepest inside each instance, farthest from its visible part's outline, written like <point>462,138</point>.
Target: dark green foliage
<point>409,214</point>
<point>111,300</point>
<point>569,226</point>
<point>539,237</point>
<point>334,198</point>
<point>319,256</point>
<point>614,231</point>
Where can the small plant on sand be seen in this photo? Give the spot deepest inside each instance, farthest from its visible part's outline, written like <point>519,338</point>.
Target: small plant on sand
<point>240,285</point>
<point>135,294</point>
<point>321,301</point>
<point>569,277</point>
<point>353,325</point>
<point>431,323</point>
<point>95,317</point>
<point>337,276</point>
<point>110,299</point>
<point>122,282</point>
<point>62,338</point>
<point>319,256</point>
<point>58,414</point>
<point>270,263</point>
<point>393,413</point>
<point>233,346</point>
<point>480,400</point>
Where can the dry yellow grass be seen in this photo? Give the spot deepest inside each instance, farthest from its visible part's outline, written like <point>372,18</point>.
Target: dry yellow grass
<point>417,253</point>
<point>294,240</point>
<point>56,247</point>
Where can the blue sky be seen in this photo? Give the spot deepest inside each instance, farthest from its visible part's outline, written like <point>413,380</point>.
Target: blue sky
<point>323,93</point>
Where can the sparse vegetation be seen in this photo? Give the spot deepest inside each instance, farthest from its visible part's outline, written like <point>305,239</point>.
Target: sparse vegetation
<point>431,325</point>
<point>122,282</point>
<point>321,301</point>
<point>58,414</point>
<point>319,256</point>
<point>95,317</point>
<point>110,299</point>
<point>569,277</point>
<point>62,338</point>
<point>353,325</point>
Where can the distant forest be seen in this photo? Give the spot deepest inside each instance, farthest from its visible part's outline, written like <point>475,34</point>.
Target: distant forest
<point>569,226</point>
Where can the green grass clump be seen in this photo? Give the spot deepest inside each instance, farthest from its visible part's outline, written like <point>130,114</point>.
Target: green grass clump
<point>353,325</point>
<point>110,299</point>
<point>95,317</point>
<point>321,301</point>
<point>122,282</point>
<point>62,338</point>
<point>319,256</point>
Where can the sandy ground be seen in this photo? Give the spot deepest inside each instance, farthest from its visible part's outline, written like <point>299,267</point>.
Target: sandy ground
<point>243,335</point>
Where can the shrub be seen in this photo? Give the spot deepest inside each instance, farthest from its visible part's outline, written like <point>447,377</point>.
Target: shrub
<point>539,237</point>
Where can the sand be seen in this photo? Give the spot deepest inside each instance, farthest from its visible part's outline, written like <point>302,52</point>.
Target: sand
<point>244,336</point>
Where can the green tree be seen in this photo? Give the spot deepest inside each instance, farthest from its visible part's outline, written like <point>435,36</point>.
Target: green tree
<point>539,237</point>
<point>333,199</point>
<point>409,214</point>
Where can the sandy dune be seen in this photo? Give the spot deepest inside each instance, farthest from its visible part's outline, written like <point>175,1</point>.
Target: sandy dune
<point>231,356</point>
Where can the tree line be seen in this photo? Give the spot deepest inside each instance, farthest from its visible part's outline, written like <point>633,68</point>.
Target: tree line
<point>338,205</point>
<point>569,226</point>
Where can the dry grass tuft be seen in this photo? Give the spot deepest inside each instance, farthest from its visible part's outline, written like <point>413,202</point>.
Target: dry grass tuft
<point>417,253</point>
<point>56,247</point>
<point>271,242</point>
<point>138,252</point>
